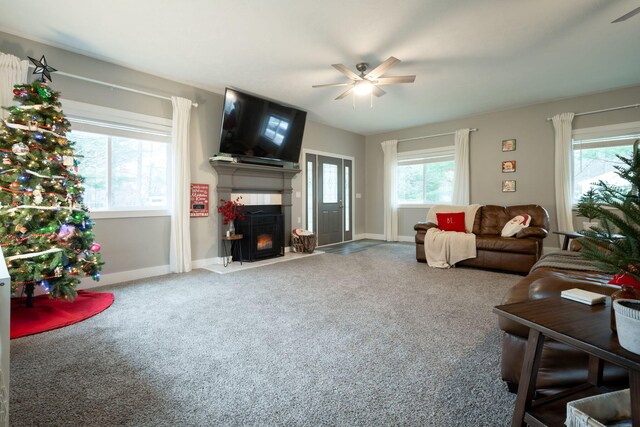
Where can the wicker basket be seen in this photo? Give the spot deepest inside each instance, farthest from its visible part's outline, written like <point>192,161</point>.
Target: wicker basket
<point>303,243</point>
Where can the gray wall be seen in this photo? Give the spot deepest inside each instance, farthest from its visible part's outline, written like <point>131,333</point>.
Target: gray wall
<point>534,153</point>
<point>141,243</point>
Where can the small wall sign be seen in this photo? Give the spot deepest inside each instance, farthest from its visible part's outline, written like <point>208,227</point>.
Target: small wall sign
<point>508,145</point>
<point>508,186</point>
<point>199,200</point>
<point>509,166</point>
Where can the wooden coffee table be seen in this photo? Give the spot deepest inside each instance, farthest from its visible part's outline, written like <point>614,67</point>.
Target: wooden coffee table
<point>581,326</point>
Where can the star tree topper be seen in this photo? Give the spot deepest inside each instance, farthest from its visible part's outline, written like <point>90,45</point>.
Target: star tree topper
<point>42,68</point>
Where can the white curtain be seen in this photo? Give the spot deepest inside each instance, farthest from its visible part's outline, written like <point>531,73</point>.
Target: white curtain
<point>13,71</point>
<point>461,158</point>
<point>563,171</point>
<point>180,245</point>
<point>390,149</point>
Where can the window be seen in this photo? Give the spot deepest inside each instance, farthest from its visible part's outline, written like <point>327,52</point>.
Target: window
<point>124,158</point>
<point>595,152</point>
<point>426,176</point>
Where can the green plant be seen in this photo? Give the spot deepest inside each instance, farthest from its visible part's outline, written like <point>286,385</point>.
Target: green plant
<point>614,246</point>
<point>590,198</point>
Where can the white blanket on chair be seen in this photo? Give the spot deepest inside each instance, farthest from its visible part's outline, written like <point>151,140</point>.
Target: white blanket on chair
<point>445,248</point>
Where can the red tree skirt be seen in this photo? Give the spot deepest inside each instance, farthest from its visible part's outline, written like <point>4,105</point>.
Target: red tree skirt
<point>48,314</point>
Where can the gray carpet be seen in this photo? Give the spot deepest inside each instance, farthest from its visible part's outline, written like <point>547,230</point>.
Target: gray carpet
<point>372,338</point>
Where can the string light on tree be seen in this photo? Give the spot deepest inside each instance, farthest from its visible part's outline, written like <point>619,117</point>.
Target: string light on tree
<point>45,230</point>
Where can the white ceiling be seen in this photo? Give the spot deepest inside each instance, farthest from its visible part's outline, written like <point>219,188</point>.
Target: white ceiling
<point>469,56</point>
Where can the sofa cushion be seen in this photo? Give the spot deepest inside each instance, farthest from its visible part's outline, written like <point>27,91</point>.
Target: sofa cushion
<point>493,242</point>
<point>451,221</point>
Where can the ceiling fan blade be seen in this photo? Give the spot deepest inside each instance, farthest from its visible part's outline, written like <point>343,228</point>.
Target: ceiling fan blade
<point>333,84</point>
<point>347,72</point>
<point>393,80</point>
<point>377,91</point>
<point>627,15</point>
<point>382,68</point>
<point>345,93</point>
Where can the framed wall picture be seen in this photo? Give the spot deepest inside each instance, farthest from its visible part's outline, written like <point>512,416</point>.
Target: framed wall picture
<point>509,186</point>
<point>509,145</point>
<point>509,166</point>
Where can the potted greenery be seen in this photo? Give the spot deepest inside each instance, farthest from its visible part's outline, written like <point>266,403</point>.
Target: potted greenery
<point>590,197</point>
<point>614,245</point>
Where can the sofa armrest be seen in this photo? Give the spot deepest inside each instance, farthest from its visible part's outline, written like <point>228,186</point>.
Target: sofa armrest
<point>424,226</point>
<point>538,232</point>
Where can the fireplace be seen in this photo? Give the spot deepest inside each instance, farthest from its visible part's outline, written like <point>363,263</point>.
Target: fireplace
<point>263,233</point>
<point>255,183</point>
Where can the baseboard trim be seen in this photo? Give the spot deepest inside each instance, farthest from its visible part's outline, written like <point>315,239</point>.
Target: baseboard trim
<point>202,263</point>
<point>370,236</point>
<point>124,276</point>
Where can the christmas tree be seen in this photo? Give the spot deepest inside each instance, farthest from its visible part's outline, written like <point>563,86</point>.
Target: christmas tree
<point>45,232</point>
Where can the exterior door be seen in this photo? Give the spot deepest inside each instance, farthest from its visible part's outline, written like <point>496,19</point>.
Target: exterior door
<point>330,200</point>
<point>328,207</point>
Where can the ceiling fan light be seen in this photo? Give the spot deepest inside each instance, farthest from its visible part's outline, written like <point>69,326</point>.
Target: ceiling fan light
<point>363,87</point>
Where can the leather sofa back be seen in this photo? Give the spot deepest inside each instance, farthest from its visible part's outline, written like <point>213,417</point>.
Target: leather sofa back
<point>493,218</point>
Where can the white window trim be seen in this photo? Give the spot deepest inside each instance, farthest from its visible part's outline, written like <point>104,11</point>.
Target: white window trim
<point>90,116</point>
<point>603,132</point>
<point>404,156</point>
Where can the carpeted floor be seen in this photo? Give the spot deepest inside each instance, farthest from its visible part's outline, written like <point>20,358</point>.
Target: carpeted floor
<point>372,338</point>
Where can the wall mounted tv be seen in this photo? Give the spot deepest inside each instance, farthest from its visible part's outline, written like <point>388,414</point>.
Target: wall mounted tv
<point>255,128</point>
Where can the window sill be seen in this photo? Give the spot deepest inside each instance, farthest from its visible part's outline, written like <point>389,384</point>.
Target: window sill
<point>127,214</point>
<point>419,206</point>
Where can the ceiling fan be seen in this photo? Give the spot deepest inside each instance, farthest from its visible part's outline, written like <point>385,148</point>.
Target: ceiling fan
<point>627,15</point>
<point>368,82</point>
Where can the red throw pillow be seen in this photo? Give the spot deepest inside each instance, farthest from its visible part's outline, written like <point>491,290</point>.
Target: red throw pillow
<point>452,221</point>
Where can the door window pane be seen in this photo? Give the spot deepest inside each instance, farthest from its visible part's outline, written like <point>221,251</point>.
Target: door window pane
<point>347,199</point>
<point>329,183</point>
<point>310,192</point>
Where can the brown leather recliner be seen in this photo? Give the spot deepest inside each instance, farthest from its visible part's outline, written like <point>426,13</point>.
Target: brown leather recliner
<point>561,366</point>
<point>514,254</point>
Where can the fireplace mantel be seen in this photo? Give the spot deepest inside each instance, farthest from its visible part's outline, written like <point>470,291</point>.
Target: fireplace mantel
<point>250,178</point>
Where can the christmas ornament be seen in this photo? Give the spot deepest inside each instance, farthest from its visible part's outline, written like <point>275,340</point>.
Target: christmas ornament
<point>38,136</point>
<point>6,161</point>
<point>95,247</point>
<point>58,271</point>
<point>21,228</point>
<point>20,148</point>
<point>15,184</point>
<point>44,91</point>
<point>33,125</point>
<point>66,232</point>
<point>42,68</point>
<point>67,160</point>
<point>61,140</point>
<point>37,195</point>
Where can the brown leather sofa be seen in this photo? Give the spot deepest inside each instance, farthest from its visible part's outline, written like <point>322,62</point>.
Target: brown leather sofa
<point>514,254</point>
<point>561,366</point>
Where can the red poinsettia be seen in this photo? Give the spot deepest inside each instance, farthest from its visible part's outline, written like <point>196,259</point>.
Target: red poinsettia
<point>231,210</point>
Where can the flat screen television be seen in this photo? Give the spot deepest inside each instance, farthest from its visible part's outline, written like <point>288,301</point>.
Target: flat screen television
<point>257,128</point>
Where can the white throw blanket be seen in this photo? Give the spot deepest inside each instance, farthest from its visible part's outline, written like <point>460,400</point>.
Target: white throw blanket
<point>445,248</point>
